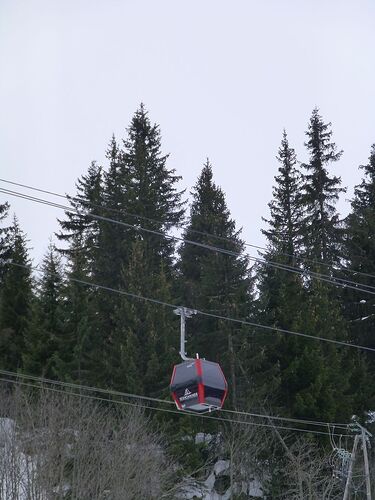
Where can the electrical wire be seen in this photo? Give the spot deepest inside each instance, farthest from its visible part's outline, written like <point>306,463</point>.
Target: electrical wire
<point>166,410</point>
<point>112,392</point>
<point>328,278</point>
<point>203,313</point>
<point>181,226</point>
<point>200,312</point>
<point>340,282</point>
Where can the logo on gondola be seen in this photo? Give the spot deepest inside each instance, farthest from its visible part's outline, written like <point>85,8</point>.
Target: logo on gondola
<point>188,395</point>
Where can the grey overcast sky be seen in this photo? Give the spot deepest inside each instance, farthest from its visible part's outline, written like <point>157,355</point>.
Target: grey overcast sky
<point>222,78</point>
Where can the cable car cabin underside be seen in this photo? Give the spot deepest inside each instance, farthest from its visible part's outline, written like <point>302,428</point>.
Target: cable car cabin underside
<point>198,386</point>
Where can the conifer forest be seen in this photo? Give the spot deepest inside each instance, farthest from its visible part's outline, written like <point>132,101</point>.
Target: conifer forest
<point>88,336</point>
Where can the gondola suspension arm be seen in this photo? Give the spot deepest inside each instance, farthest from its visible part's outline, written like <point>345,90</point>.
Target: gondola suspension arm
<point>184,313</point>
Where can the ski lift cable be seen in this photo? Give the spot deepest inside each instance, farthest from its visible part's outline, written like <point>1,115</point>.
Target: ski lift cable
<point>165,410</point>
<point>181,226</point>
<point>207,314</point>
<point>112,392</point>
<point>336,281</point>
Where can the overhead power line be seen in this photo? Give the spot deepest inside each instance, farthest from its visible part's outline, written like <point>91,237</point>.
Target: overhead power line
<point>166,410</point>
<point>339,282</point>
<point>203,313</point>
<point>182,226</point>
<point>112,392</point>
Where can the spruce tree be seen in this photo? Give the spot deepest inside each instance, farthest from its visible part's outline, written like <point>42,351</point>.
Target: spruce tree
<point>81,231</point>
<point>152,189</point>
<point>317,380</point>
<point>142,351</point>
<point>80,223</point>
<point>281,292</point>
<point>359,247</point>
<point>113,240</point>
<point>44,337</point>
<point>140,183</point>
<point>4,231</point>
<point>215,282</point>
<point>79,356</point>
<point>280,288</point>
<point>321,190</point>
<point>360,254</point>
<point>16,299</point>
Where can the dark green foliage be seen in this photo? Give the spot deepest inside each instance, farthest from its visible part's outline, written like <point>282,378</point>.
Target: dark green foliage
<point>313,379</point>
<point>359,248</point>
<point>322,234</point>
<point>215,282</point>
<point>328,388</point>
<point>152,189</point>
<point>4,232</point>
<point>360,253</point>
<point>44,339</point>
<point>16,298</point>
<point>286,210</point>
<point>117,341</point>
<point>281,292</point>
<point>81,232</point>
<point>73,330</point>
<point>316,375</point>
<point>80,351</point>
<point>139,183</point>
<point>80,223</point>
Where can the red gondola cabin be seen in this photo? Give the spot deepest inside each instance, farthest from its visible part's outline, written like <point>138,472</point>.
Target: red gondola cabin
<point>198,385</point>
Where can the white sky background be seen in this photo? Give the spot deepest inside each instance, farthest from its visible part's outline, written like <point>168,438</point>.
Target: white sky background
<point>222,78</point>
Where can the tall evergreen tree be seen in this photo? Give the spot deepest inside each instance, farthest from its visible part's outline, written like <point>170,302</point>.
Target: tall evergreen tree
<point>80,222</point>
<point>16,298</point>
<point>4,231</point>
<point>280,288</point>
<point>321,191</point>
<point>281,293</point>
<point>142,185</point>
<point>142,352</point>
<point>359,247</point>
<point>152,190</point>
<point>317,380</point>
<point>43,341</point>
<point>114,239</point>
<point>215,282</point>
<point>80,350</point>
<point>81,231</point>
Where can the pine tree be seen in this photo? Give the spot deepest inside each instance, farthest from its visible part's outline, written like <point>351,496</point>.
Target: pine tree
<point>81,222</point>
<point>113,240</point>
<point>281,293</point>
<point>316,381</point>
<point>79,356</point>
<point>322,233</point>
<point>359,247</point>
<point>4,231</point>
<point>140,184</point>
<point>280,288</point>
<point>360,253</point>
<point>140,348</point>
<point>316,376</point>
<point>82,232</point>
<point>152,190</point>
<point>16,299</point>
<point>213,281</point>
<point>44,337</point>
